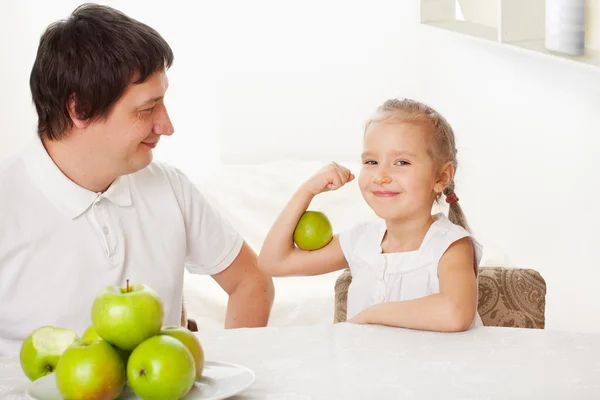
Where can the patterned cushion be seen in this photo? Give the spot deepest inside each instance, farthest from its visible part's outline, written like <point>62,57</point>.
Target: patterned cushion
<point>508,297</point>
<point>342,284</point>
<point>511,297</point>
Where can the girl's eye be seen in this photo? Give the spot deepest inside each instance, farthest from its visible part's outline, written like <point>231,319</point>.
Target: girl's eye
<point>402,163</point>
<point>370,162</point>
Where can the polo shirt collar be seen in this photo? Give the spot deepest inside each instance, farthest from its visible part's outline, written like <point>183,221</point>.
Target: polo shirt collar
<point>70,198</point>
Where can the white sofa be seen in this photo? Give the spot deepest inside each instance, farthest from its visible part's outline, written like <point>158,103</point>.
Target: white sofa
<point>251,197</point>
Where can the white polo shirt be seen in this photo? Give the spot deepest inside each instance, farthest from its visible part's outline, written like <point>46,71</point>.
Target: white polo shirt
<point>60,244</point>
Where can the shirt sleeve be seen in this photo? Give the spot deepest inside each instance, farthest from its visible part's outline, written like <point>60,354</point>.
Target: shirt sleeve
<point>454,234</point>
<point>212,243</point>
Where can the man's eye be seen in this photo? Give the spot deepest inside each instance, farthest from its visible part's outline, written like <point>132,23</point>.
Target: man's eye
<point>149,109</point>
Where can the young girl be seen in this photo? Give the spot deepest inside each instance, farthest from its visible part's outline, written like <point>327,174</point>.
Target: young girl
<point>412,269</point>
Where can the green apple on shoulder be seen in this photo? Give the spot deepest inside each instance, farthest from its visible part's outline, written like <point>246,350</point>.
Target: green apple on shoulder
<point>313,231</point>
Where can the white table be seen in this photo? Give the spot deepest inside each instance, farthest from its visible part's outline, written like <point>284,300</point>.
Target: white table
<point>373,362</point>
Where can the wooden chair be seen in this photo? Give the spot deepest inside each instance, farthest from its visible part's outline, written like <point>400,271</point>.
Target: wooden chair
<point>185,321</point>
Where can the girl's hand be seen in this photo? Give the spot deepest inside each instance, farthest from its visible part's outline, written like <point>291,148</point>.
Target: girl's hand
<point>357,319</point>
<point>331,177</point>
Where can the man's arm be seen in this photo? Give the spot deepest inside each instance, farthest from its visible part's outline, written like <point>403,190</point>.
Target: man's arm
<point>250,291</point>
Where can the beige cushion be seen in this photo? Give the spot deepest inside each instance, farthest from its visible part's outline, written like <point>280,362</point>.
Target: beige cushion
<point>341,296</point>
<point>509,297</point>
<point>512,297</point>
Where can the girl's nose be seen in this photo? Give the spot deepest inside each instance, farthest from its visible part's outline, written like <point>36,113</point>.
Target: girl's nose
<point>382,178</point>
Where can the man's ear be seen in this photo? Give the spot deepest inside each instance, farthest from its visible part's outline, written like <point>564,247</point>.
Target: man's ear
<point>445,177</point>
<point>71,105</point>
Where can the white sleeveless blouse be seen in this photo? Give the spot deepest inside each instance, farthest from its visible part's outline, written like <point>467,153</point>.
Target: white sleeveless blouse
<point>379,277</point>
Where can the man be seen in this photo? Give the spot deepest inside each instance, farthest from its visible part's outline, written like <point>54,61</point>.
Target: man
<point>86,207</point>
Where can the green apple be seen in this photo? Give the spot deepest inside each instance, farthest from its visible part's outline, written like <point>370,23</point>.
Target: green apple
<point>313,231</point>
<point>42,349</point>
<point>125,317</point>
<point>90,370</point>
<point>90,334</point>
<point>161,368</point>
<point>190,341</point>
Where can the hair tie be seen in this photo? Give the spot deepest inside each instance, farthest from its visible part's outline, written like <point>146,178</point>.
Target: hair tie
<point>451,198</point>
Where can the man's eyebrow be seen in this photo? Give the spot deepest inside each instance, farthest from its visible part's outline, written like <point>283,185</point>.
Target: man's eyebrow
<point>153,100</point>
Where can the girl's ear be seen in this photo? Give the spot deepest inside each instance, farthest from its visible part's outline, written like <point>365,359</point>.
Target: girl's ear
<point>445,177</point>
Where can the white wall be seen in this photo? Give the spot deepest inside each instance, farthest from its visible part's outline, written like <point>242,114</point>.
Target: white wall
<point>265,80</point>
<point>529,139</point>
<point>528,128</point>
<point>191,96</point>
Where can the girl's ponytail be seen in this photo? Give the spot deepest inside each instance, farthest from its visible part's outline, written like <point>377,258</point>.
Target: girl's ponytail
<point>455,213</point>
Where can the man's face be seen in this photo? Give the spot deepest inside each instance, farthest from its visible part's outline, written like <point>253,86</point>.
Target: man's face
<point>134,126</point>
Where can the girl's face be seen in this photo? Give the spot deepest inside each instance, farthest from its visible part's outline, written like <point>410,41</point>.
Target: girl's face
<point>399,177</point>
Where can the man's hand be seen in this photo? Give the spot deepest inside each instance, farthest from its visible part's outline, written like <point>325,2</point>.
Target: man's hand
<point>250,291</point>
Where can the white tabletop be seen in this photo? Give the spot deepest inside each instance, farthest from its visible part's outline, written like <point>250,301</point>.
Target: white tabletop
<point>358,361</point>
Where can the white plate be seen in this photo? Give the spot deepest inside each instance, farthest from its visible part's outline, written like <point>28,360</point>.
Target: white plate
<point>219,381</point>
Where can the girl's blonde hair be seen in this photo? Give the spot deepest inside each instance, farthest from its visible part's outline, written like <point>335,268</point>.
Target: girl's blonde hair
<point>443,147</point>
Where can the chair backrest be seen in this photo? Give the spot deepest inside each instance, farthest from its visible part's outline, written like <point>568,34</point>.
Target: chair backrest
<point>185,322</point>
<point>513,297</point>
<point>508,297</point>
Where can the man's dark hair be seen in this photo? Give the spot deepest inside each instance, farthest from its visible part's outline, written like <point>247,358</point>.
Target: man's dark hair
<point>93,56</point>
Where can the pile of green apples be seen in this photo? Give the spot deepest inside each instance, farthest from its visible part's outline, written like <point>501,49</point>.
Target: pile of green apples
<point>125,344</point>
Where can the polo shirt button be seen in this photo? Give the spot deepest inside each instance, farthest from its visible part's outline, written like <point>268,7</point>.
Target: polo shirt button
<point>105,230</point>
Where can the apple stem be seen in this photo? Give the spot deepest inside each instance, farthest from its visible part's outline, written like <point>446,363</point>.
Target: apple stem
<point>127,290</point>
